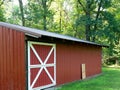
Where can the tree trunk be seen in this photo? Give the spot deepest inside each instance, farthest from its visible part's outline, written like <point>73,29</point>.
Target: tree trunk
<point>22,13</point>
<point>88,20</point>
<point>117,63</point>
<point>45,13</point>
<point>87,28</point>
<point>96,20</point>
<point>60,20</point>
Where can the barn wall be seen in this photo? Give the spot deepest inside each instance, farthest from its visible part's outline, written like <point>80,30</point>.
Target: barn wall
<point>70,57</point>
<point>12,60</point>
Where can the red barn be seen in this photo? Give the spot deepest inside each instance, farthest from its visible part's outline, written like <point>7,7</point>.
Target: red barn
<point>32,59</point>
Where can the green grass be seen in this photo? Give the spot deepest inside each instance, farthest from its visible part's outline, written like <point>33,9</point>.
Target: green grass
<point>109,80</point>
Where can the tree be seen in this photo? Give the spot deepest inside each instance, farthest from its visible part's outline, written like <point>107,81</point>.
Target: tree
<point>39,14</point>
<point>63,19</point>
<point>44,4</point>
<point>92,10</point>
<point>117,53</point>
<point>22,12</point>
<point>2,18</point>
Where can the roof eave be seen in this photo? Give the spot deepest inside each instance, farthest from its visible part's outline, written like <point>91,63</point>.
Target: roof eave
<point>38,33</point>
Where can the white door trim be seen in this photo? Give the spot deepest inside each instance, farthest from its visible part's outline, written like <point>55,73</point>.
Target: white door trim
<point>42,65</point>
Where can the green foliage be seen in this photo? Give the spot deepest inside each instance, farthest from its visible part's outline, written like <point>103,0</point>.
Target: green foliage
<point>35,13</point>
<point>2,18</point>
<point>111,60</point>
<point>1,15</point>
<point>91,16</point>
<point>116,51</point>
<point>15,17</point>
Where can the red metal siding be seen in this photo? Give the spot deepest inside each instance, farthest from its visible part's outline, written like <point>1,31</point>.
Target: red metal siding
<point>71,57</point>
<point>12,60</point>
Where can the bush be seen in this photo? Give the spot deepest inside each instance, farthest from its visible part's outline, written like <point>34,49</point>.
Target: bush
<point>111,60</point>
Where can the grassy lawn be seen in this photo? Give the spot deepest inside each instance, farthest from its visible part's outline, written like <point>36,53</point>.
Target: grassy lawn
<point>109,80</point>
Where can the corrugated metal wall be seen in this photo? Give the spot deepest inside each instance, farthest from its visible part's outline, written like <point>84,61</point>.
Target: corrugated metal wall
<point>71,57</point>
<point>12,60</point>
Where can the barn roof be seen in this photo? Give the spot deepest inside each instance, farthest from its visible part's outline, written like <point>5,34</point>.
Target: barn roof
<point>38,33</point>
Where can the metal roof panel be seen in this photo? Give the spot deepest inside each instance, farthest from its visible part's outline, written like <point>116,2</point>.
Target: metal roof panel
<point>38,33</point>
